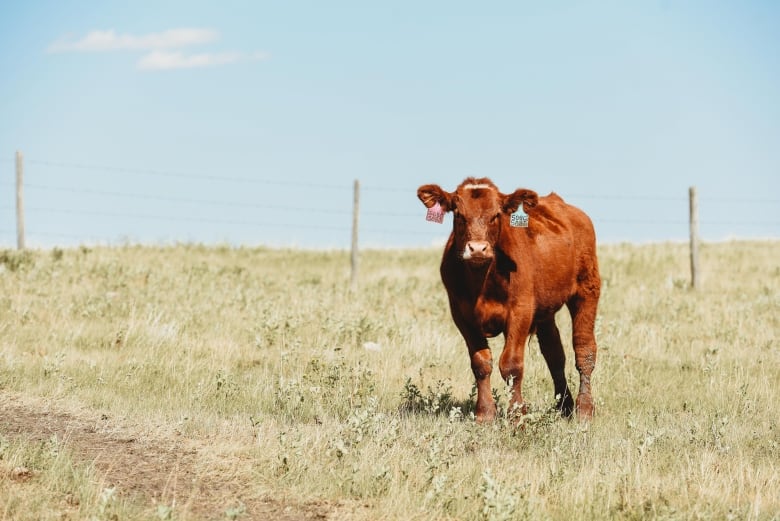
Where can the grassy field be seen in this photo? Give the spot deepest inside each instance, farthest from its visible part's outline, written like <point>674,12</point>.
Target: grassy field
<point>276,390</point>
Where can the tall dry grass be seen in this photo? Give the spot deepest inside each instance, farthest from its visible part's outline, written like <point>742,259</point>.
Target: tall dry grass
<point>364,399</point>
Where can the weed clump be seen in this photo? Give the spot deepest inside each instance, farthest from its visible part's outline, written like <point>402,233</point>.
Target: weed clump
<point>14,260</point>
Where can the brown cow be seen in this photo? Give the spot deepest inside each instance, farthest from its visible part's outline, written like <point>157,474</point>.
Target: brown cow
<point>512,280</point>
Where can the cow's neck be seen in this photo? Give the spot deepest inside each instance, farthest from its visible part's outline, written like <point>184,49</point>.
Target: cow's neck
<point>479,277</point>
<point>485,281</point>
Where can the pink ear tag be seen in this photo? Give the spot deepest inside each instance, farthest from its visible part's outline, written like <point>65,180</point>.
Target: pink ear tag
<point>519,219</point>
<point>435,214</point>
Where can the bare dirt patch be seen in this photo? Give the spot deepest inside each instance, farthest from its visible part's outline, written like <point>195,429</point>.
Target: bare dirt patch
<point>151,471</point>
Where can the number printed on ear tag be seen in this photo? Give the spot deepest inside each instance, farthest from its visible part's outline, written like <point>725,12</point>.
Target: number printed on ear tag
<point>435,214</point>
<point>519,219</point>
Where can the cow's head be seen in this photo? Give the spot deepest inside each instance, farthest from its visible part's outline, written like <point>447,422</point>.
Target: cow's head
<point>480,211</point>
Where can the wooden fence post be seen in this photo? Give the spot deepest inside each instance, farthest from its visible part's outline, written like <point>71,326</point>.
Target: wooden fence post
<point>694,226</point>
<point>355,219</point>
<point>19,200</point>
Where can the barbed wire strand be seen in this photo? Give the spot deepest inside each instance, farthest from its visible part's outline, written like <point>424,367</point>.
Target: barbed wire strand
<point>167,199</point>
<point>182,175</point>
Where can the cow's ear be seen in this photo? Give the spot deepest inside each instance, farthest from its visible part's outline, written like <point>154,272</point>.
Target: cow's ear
<point>512,201</point>
<point>432,194</point>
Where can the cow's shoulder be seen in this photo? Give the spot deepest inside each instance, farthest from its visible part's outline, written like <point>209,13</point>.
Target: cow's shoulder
<point>553,215</point>
<point>552,197</point>
<point>552,202</point>
<point>550,215</point>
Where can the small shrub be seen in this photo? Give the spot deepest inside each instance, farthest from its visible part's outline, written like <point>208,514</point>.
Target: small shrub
<point>436,400</point>
<point>498,502</point>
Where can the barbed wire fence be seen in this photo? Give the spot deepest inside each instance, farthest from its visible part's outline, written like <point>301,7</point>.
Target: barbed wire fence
<point>340,217</point>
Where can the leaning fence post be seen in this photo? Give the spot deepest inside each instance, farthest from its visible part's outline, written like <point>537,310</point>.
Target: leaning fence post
<point>355,217</point>
<point>694,227</point>
<point>19,200</point>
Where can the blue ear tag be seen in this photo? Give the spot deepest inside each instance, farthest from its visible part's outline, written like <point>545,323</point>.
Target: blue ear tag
<point>519,219</point>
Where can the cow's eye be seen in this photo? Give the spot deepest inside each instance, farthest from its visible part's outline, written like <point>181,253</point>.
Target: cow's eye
<point>495,218</point>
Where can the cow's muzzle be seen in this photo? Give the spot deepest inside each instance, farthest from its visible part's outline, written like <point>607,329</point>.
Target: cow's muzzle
<point>478,252</point>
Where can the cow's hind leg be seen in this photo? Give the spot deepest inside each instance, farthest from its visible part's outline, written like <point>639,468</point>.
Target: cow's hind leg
<point>583,318</point>
<point>552,350</point>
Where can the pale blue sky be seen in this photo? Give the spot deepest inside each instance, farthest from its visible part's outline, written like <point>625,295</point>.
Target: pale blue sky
<point>247,122</point>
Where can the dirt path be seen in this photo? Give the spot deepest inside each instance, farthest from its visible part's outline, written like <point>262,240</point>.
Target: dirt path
<point>152,471</point>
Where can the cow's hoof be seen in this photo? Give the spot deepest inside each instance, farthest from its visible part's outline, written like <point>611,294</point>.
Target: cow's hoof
<point>566,406</point>
<point>487,415</point>
<point>585,407</point>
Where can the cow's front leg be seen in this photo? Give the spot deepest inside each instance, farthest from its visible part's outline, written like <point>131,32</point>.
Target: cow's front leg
<point>482,366</point>
<point>512,363</point>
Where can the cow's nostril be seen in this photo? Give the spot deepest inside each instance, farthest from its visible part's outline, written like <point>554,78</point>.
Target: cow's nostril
<point>477,246</point>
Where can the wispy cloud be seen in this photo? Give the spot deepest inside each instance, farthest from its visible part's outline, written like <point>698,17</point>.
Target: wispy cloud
<point>163,49</point>
<point>162,60</point>
<point>112,41</point>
